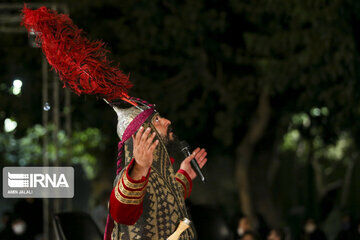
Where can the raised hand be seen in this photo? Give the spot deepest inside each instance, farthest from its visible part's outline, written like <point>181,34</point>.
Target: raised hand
<point>200,156</point>
<point>143,149</point>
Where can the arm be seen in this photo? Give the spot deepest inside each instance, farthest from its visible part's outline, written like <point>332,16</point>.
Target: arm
<point>186,174</point>
<point>126,200</point>
<point>183,179</point>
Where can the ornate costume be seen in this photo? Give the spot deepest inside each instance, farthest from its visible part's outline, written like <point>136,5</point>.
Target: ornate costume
<point>150,208</point>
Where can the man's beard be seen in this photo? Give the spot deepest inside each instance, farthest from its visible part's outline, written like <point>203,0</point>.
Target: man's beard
<point>171,143</point>
<point>167,139</point>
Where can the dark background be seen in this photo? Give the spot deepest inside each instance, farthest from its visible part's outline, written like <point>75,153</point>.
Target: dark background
<point>269,88</point>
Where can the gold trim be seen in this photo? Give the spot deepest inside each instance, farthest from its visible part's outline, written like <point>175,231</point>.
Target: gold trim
<point>182,178</point>
<point>127,193</point>
<point>130,184</point>
<point>127,200</point>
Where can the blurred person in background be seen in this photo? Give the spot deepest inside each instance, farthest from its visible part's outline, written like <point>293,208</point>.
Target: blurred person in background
<point>355,233</point>
<point>29,216</point>
<point>249,236</point>
<point>242,227</point>
<point>276,234</point>
<point>346,228</point>
<point>312,231</point>
<point>6,232</point>
<point>20,230</point>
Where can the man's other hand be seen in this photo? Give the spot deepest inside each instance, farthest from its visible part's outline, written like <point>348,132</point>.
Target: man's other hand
<point>200,156</point>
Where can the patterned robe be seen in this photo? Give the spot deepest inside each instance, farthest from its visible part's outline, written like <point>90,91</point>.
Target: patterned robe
<point>150,208</point>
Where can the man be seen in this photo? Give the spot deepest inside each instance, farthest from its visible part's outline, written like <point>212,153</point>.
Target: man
<point>147,201</point>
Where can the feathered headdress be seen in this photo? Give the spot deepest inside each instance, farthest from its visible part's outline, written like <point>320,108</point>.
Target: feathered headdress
<point>84,67</point>
<point>82,64</point>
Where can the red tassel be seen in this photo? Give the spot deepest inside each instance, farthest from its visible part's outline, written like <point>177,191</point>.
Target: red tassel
<point>81,64</point>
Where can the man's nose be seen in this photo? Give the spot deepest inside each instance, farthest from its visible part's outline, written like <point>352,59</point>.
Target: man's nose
<point>166,122</point>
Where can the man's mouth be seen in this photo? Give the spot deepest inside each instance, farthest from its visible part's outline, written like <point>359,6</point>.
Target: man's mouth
<point>170,133</point>
<point>169,130</point>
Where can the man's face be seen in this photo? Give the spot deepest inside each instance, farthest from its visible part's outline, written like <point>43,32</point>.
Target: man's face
<point>248,237</point>
<point>163,126</point>
<point>310,226</point>
<point>273,236</point>
<point>244,224</point>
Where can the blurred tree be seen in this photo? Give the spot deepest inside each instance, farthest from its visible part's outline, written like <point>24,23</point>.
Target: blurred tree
<point>27,150</point>
<point>236,72</point>
<point>299,59</point>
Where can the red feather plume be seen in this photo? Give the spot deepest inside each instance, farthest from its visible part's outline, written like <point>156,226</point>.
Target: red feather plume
<point>81,64</point>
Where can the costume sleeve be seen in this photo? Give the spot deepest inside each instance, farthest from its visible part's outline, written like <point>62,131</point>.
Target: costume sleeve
<point>183,178</point>
<point>126,200</point>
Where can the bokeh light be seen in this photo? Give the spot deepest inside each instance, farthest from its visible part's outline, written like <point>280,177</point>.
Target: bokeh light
<point>16,88</point>
<point>9,125</point>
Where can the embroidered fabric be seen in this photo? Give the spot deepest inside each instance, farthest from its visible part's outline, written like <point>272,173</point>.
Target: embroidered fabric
<point>131,128</point>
